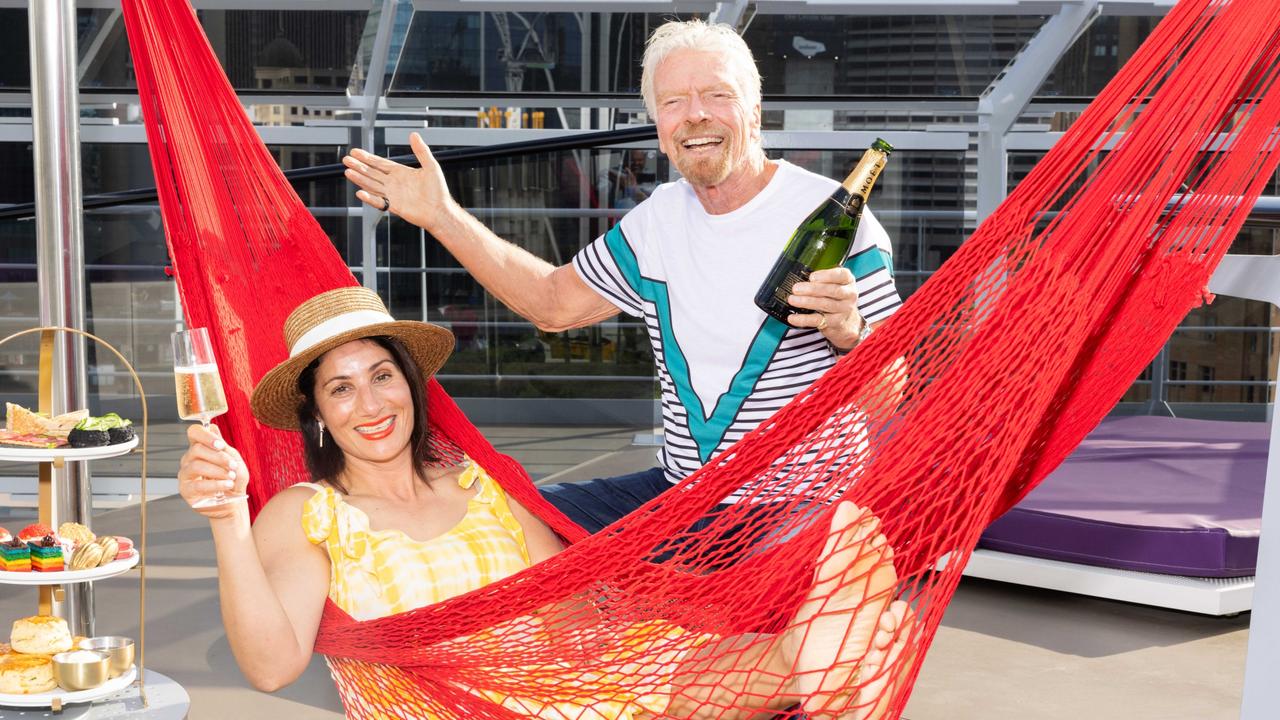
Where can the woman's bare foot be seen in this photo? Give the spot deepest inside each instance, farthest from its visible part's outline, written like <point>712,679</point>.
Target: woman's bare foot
<point>885,668</point>
<point>834,629</point>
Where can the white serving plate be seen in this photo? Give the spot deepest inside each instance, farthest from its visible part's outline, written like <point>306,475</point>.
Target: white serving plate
<point>36,700</point>
<point>62,577</point>
<point>21,454</point>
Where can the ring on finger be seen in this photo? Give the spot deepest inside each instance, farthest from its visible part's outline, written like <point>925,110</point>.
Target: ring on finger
<point>386,203</point>
<point>822,321</point>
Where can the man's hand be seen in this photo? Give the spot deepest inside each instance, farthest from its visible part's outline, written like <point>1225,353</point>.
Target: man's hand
<point>834,300</point>
<point>419,195</point>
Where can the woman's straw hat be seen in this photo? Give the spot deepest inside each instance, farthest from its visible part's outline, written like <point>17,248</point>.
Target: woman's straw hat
<point>323,323</point>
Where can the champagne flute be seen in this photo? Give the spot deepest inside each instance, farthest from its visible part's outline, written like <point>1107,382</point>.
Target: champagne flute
<point>199,390</point>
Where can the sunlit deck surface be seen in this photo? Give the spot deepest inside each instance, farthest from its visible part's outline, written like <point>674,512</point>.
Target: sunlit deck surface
<point>1003,651</point>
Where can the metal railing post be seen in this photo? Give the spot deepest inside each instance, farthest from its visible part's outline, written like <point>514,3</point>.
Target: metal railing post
<point>55,125</point>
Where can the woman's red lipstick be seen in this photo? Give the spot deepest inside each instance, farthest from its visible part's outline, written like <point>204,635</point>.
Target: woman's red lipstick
<point>381,433</point>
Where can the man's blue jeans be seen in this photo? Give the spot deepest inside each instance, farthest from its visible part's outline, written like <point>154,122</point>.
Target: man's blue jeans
<point>596,504</point>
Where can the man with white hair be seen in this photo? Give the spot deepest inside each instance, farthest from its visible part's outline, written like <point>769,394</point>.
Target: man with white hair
<point>688,259</point>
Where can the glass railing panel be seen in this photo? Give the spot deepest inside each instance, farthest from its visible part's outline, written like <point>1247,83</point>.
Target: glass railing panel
<point>882,55</point>
<point>18,300</point>
<point>552,205</point>
<point>493,51</point>
<point>18,307</point>
<point>130,301</point>
<point>279,51</point>
<point>1096,56</point>
<point>920,55</point>
<point>15,72</point>
<point>1223,352</point>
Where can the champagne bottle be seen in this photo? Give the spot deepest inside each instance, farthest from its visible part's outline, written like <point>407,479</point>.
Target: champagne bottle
<point>823,240</point>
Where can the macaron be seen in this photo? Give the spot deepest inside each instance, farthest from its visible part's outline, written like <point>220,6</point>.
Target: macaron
<point>125,547</point>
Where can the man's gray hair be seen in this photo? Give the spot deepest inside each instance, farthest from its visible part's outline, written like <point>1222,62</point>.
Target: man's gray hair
<point>698,35</point>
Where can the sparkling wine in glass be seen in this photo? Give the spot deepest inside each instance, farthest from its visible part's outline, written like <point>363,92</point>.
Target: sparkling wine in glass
<point>199,390</point>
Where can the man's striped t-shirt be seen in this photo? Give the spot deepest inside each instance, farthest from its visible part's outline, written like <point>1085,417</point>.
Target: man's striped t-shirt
<point>724,365</point>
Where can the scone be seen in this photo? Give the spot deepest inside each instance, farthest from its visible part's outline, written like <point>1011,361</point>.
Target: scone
<point>75,532</point>
<point>26,674</point>
<point>40,635</point>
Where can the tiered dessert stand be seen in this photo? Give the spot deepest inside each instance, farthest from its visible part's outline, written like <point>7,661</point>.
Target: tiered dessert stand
<point>50,584</point>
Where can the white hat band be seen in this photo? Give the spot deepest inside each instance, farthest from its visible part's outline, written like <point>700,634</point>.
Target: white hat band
<point>337,325</point>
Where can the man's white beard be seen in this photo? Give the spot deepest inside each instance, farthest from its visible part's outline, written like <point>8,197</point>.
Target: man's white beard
<point>707,172</point>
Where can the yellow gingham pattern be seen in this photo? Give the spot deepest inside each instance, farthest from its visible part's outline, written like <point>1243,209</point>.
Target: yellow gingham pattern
<point>375,573</point>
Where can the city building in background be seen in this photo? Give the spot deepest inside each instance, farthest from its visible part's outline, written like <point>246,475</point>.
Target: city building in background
<point>318,81</point>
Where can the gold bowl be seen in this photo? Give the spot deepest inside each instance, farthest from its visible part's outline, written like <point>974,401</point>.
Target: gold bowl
<point>81,669</point>
<point>119,648</point>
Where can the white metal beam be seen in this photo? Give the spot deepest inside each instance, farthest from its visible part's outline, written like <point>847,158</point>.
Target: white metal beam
<point>729,12</point>
<point>222,4</point>
<point>471,101</point>
<point>1257,277</point>
<point>952,7</point>
<point>1007,96</point>
<point>136,134</point>
<point>773,139</point>
<point>765,7</point>
<point>589,6</point>
<point>1207,596</point>
<point>383,12</point>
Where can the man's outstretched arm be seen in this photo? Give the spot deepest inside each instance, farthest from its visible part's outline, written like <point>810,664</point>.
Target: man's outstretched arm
<point>552,298</point>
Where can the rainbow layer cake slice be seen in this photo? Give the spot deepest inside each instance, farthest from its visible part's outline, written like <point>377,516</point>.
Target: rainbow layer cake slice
<point>46,555</point>
<point>15,556</point>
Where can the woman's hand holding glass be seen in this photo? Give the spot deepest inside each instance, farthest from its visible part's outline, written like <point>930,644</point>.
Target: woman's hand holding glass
<point>209,467</point>
<point>198,390</point>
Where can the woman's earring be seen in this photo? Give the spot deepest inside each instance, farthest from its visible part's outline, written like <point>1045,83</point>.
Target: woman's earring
<point>320,424</point>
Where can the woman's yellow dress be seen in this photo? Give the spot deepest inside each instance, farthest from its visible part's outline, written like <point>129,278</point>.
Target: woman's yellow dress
<point>376,573</point>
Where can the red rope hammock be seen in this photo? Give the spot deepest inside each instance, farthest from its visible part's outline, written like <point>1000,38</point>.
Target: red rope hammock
<point>976,389</point>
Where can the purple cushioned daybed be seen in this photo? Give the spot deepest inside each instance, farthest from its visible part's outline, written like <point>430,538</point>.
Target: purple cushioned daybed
<point>1152,494</point>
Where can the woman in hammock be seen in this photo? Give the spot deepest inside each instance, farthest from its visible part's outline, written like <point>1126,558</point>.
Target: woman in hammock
<point>384,529</point>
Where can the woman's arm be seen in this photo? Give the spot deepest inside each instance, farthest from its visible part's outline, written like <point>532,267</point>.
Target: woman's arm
<point>272,582</point>
<point>538,537</point>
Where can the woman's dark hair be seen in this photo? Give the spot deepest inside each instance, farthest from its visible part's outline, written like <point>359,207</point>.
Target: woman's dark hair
<point>327,462</point>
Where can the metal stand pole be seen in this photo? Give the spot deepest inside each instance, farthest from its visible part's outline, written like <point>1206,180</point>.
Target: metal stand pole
<point>55,123</point>
<point>1159,403</point>
<point>1255,277</point>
